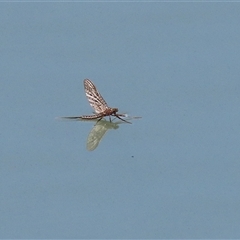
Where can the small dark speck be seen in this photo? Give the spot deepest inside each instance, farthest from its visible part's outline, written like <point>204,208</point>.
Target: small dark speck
<point>132,156</point>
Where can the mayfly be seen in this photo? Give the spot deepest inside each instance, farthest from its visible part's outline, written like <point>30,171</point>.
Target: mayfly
<point>101,109</point>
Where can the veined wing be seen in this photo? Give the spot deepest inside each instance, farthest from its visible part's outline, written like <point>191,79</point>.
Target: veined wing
<point>97,133</point>
<point>94,97</point>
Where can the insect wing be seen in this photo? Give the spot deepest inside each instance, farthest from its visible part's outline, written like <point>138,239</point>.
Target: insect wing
<point>94,97</point>
<point>97,133</point>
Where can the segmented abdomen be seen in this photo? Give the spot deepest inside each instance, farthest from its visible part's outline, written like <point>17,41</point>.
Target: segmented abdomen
<point>91,116</point>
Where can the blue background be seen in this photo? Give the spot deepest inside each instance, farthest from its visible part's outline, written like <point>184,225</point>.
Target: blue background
<point>172,174</point>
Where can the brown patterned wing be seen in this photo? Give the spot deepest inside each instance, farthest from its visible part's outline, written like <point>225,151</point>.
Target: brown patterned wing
<point>94,97</point>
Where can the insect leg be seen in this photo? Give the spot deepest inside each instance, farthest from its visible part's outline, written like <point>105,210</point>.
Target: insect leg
<point>99,119</point>
<point>122,119</point>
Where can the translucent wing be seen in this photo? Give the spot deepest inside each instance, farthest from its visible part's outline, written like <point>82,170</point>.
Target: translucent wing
<point>97,133</point>
<point>94,97</point>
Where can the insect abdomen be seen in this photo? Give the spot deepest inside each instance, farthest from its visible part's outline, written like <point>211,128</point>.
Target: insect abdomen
<point>91,116</point>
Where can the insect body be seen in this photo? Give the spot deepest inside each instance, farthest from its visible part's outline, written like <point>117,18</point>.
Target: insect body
<point>99,105</point>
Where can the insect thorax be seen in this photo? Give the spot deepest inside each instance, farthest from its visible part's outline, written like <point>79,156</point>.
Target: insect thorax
<point>110,111</point>
<point>115,110</point>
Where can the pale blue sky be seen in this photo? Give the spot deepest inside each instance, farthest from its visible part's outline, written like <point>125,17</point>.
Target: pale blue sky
<point>172,174</point>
